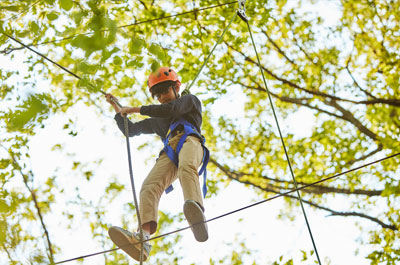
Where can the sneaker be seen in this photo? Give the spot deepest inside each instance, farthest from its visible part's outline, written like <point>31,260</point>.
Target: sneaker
<point>129,242</point>
<point>196,219</point>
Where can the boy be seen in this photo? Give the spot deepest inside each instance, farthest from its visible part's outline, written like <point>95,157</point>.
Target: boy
<point>177,120</point>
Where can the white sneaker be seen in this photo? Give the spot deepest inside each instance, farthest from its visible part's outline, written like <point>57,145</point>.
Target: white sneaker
<point>196,219</point>
<point>128,242</point>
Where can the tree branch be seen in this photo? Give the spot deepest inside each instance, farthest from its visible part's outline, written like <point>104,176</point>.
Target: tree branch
<point>315,189</point>
<point>38,209</point>
<point>8,252</point>
<point>143,4</point>
<point>347,115</point>
<point>315,92</point>
<point>280,51</point>
<point>297,101</point>
<point>378,149</point>
<point>236,177</point>
<point>39,212</point>
<point>355,81</point>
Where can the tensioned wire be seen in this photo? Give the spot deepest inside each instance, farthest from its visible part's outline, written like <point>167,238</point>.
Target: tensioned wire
<point>126,137</point>
<point>126,120</point>
<point>297,189</point>
<point>212,51</point>
<point>9,50</point>
<point>284,145</point>
<point>275,117</point>
<point>241,209</point>
<point>126,132</point>
<point>133,187</point>
<point>23,11</point>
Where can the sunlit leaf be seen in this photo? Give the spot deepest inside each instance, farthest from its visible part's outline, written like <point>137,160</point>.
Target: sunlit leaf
<point>66,4</point>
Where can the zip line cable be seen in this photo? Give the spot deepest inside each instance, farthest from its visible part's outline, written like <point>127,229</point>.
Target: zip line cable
<point>133,187</point>
<point>242,14</point>
<point>125,118</point>
<point>126,137</point>
<point>209,55</point>
<point>243,208</point>
<point>284,145</point>
<point>9,50</point>
<point>22,12</point>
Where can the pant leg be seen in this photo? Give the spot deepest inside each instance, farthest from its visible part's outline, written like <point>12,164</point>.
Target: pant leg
<point>160,177</point>
<point>190,158</point>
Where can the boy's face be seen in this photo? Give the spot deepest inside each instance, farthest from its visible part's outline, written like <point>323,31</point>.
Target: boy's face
<point>166,96</point>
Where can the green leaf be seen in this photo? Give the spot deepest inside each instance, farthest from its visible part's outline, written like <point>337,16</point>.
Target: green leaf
<point>66,4</point>
<point>3,231</point>
<point>52,16</point>
<point>107,54</point>
<point>27,112</point>
<point>87,68</point>
<point>78,16</point>
<point>157,51</point>
<point>154,66</point>
<point>85,83</point>
<point>10,8</point>
<point>34,27</point>
<point>117,60</point>
<point>135,63</point>
<point>136,45</point>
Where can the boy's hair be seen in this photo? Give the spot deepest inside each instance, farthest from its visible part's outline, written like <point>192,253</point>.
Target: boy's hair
<point>163,86</point>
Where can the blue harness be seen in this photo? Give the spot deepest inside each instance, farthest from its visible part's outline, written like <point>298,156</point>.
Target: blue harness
<point>189,129</point>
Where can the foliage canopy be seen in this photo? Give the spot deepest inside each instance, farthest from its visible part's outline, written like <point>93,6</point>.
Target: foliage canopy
<point>343,68</point>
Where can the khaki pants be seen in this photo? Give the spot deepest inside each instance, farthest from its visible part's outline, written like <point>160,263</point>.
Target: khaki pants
<point>165,172</point>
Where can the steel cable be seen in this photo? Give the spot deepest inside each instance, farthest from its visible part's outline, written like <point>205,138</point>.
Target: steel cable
<point>242,208</point>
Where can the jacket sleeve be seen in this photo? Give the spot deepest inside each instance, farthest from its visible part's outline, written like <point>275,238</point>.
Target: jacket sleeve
<point>134,128</point>
<point>175,108</point>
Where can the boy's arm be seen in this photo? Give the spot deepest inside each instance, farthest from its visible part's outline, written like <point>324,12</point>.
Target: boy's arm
<point>134,128</point>
<point>172,109</point>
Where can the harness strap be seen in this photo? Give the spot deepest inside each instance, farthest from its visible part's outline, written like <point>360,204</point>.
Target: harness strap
<point>189,129</point>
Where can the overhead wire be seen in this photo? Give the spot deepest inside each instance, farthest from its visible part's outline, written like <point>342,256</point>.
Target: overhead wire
<point>126,136</point>
<point>23,11</point>
<point>242,208</point>
<point>9,50</point>
<point>209,55</point>
<point>284,145</point>
<point>297,189</point>
<point>133,187</point>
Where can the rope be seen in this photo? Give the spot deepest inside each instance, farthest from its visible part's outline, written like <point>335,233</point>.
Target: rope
<point>22,12</point>
<point>9,50</point>
<point>297,189</point>
<point>243,208</point>
<point>284,146</point>
<point>126,136</point>
<point>133,186</point>
<point>209,55</point>
<point>53,62</point>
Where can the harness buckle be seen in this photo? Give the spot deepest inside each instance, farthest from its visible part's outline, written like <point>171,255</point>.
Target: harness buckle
<point>241,11</point>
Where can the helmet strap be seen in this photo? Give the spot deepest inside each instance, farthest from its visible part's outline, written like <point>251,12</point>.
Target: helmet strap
<point>176,94</point>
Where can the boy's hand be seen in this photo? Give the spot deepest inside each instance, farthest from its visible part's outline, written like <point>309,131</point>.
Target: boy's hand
<point>112,100</point>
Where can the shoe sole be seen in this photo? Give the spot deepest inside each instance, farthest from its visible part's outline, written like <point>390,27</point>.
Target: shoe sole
<point>195,217</point>
<point>126,243</point>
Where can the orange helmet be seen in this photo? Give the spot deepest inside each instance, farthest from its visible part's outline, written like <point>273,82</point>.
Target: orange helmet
<point>161,75</point>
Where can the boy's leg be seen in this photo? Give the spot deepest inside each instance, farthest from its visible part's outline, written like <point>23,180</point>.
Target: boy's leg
<point>160,177</point>
<point>190,158</point>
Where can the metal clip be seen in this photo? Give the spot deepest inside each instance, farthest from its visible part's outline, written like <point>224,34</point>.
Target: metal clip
<point>241,11</point>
